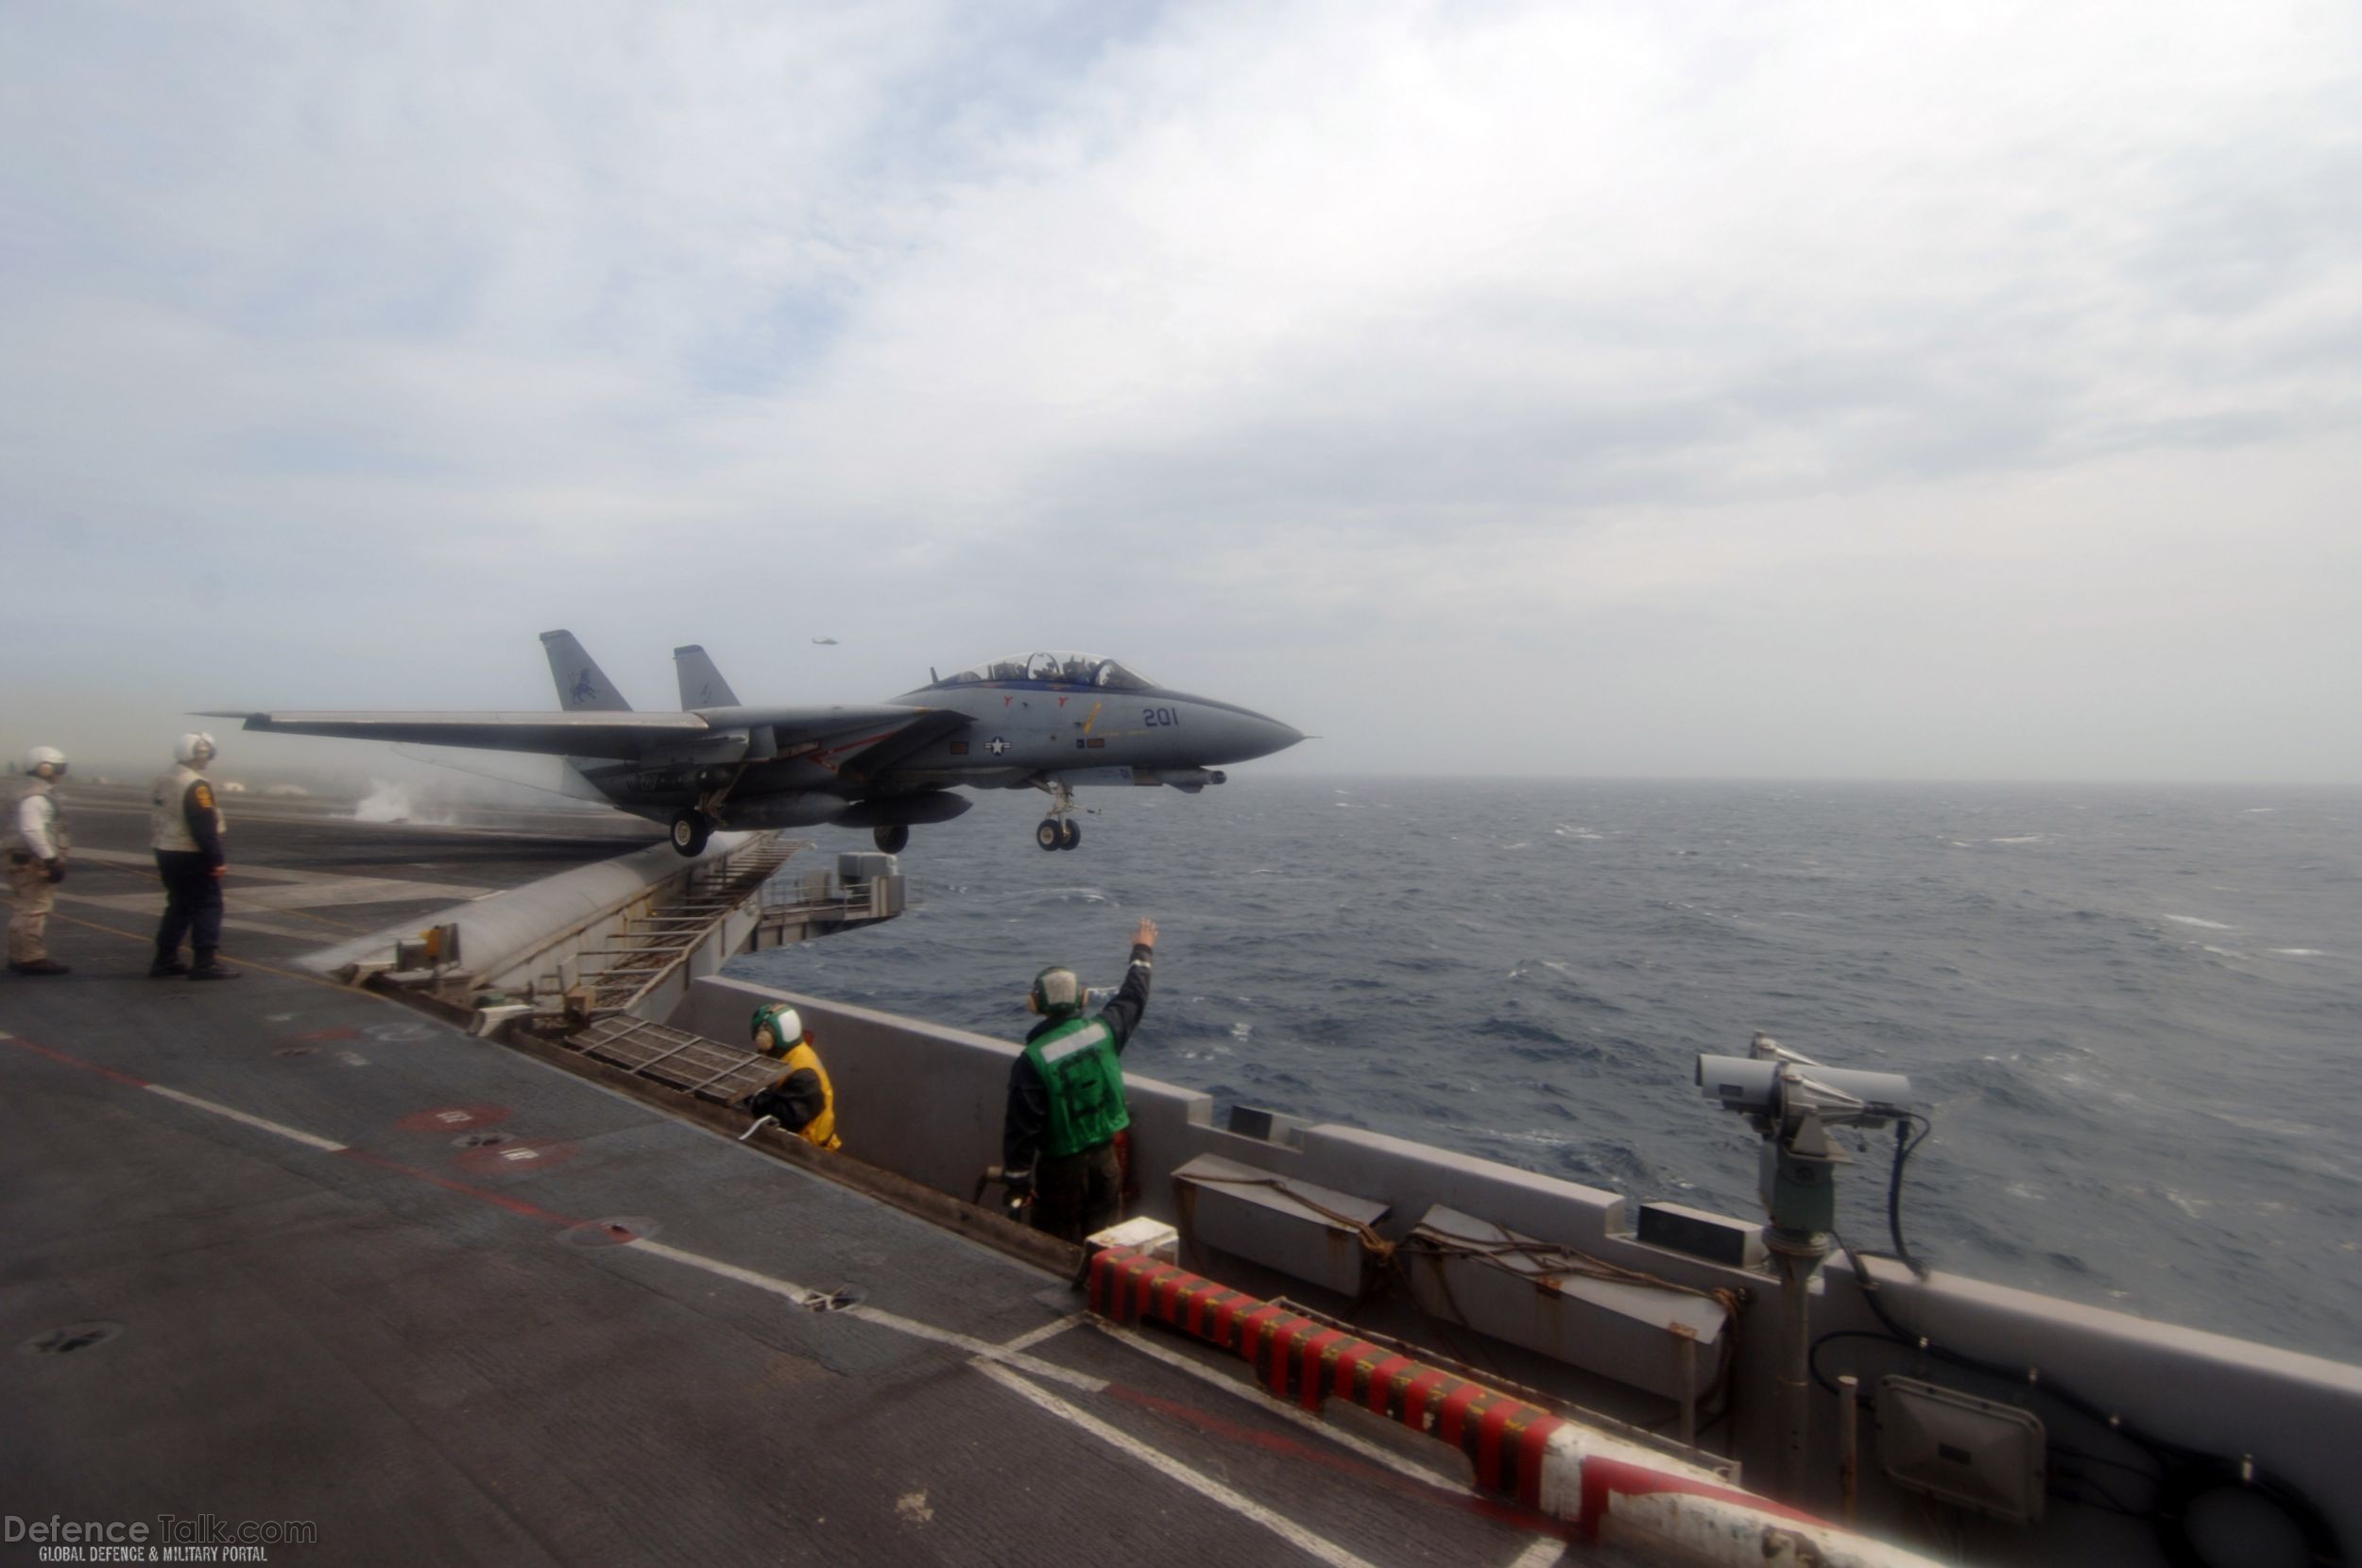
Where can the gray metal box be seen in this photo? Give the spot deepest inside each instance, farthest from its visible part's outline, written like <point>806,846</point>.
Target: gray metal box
<point>1532,1294</point>
<point>1233,1206</point>
<point>861,866</point>
<point>1974,1452</point>
<point>1716,1237</point>
<point>1248,1121</point>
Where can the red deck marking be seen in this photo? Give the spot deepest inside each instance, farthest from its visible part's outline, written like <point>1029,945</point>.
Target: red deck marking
<point>1604,1478</point>
<point>54,1055</point>
<point>1146,1274</point>
<point>498,1200</point>
<point>1386,1381</point>
<point>454,1118</point>
<point>1103,1263</point>
<point>1438,1493</point>
<point>1457,1409</point>
<point>1313,1362</point>
<point>1166,1293</point>
<point>1122,1269</point>
<point>1107,1274</point>
<point>1284,1338</point>
<point>1281,1339</point>
<point>1414,1397</point>
<point>1492,1426</point>
<point>1251,1326</point>
<point>1118,1282</point>
<point>1138,1274</point>
<point>1352,1368</point>
<point>1507,1438</point>
<point>502,1158</point>
<point>1210,1309</point>
<point>1531,1444</point>
<point>1227,1317</point>
<point>1182,1298</point>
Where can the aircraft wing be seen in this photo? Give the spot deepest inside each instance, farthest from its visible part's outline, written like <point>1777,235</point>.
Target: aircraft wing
<point>921,732</point>
<point>588,733</point>
<point>602,732</point>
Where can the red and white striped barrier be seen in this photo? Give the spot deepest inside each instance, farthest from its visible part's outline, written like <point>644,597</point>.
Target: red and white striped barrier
<point>1602,1485</point>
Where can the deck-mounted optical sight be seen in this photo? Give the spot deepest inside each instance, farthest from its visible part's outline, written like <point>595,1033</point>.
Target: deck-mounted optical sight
<point>1793,1102</point>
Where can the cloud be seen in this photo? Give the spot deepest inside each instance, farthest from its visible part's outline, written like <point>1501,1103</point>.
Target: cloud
<point>1327,330</point>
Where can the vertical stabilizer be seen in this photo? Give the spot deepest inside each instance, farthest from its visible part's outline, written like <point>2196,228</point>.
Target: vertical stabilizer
<point>582,685</point>
<point>701,684</point>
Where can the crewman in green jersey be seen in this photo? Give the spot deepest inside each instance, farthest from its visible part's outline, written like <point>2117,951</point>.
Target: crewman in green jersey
<point>1066,1100</point>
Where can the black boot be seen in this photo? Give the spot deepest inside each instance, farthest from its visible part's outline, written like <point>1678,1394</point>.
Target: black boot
<point>40,967</point>
<point>167,963</point>
<point>210,967</point>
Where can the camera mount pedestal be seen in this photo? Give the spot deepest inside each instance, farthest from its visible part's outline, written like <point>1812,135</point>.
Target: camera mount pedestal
<point>1799,1187</point>
<point>1792,1101</point>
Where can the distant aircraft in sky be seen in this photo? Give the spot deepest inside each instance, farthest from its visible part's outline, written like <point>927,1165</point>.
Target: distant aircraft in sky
<point>824,642</point>
<point>1049,722</point>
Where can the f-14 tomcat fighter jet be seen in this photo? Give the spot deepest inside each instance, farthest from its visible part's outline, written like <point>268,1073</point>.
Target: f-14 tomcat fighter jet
<point>1048,721</point>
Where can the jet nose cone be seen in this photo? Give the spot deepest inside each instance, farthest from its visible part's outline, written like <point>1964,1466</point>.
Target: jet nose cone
<point>1268,735</point>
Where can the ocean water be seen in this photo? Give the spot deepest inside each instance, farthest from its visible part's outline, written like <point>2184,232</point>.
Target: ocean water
<point>2133,1012</point>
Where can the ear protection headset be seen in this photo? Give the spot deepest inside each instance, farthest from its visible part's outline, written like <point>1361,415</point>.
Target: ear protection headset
<point>787,1028</point>
<point>1056,992</point>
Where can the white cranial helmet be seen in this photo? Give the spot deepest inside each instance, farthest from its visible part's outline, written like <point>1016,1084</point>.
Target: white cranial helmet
<point>45,757</point>
<point>194,747</point>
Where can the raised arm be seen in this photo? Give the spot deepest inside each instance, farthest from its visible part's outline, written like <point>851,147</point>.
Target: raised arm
<point>1122,1016</point>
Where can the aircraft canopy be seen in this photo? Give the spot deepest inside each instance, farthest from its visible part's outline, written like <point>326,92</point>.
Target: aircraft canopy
<point>1071,669</point>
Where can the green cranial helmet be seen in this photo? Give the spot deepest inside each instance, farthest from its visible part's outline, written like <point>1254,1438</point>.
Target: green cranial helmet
<point>1057,993</point>
<point>787,1026</point>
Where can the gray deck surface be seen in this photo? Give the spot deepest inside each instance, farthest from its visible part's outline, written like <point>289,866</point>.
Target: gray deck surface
<point>428,1349</point>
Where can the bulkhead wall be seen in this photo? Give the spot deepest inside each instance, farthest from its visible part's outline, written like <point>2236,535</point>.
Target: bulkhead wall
<point>926,1101</point>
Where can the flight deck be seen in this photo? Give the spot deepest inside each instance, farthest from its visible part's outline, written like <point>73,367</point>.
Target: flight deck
<point>284,1252</point>
<point>448,1249</point>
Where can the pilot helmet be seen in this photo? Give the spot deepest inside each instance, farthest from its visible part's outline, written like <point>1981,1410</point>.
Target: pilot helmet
<point>45,757</point>
<point>787,1027</point>
<point>196,748</point>
<point>1057,993</point>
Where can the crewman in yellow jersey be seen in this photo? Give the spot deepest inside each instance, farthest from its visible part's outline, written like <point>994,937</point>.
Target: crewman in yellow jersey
<point>801,1099</point>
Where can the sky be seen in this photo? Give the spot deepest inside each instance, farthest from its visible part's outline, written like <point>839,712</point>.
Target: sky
<point>1760,389</point>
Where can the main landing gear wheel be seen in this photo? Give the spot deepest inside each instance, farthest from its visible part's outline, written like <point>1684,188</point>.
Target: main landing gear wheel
<point>1058,830</point>
<point>892,840</point>
<point>691,829</point>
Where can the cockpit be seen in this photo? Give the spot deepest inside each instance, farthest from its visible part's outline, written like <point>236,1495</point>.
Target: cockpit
<point>1061,669</point>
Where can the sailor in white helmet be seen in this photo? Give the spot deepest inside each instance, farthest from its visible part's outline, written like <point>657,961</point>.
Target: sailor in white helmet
<point>185,828</point>
<point>37,850</point>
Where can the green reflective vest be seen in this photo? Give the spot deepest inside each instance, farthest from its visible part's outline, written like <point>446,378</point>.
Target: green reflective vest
<point>1078,1065</point>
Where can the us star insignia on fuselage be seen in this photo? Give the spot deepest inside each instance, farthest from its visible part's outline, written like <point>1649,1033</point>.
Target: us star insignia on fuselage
<point>887,767</point>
